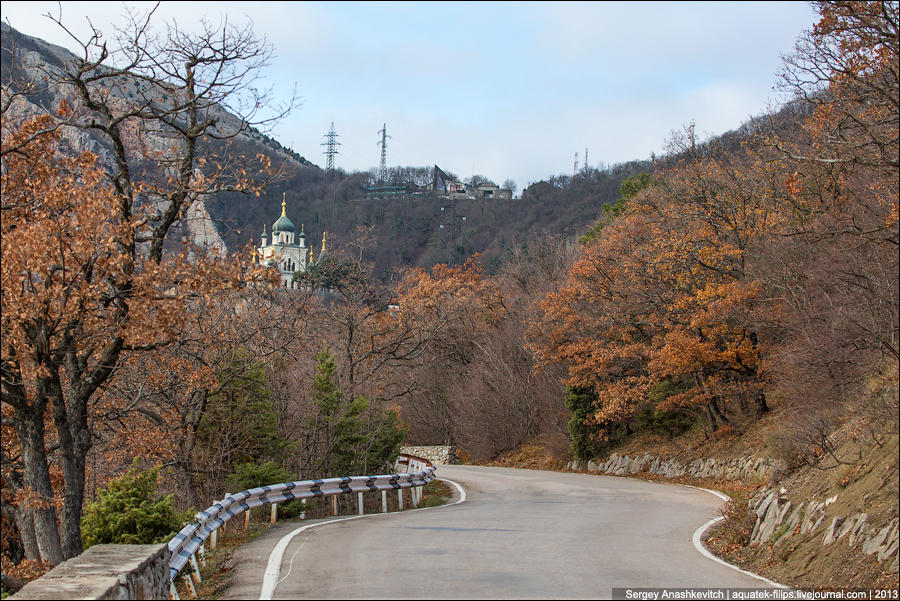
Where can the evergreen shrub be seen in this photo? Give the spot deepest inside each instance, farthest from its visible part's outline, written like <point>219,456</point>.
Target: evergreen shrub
<point>131,511</point>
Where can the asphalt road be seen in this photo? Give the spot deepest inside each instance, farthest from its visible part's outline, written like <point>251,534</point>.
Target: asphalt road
<point>519,534</point>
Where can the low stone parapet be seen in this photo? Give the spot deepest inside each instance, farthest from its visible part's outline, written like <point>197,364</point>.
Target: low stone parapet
<point>106,572</point>
<point>439,455</point>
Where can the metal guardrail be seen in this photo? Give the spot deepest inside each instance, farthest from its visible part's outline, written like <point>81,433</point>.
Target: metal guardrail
<point>412,472</point>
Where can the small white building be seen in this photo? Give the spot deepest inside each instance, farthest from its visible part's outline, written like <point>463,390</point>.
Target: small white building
<point>284,253</point>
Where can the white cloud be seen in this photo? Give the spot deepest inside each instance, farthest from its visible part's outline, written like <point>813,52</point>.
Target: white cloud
<point>515,89</point>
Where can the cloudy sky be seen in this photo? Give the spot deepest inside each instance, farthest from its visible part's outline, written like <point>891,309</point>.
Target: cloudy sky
<point>508,90</point>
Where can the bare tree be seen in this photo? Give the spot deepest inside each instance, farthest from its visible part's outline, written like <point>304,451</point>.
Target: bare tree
<point>162,106</point>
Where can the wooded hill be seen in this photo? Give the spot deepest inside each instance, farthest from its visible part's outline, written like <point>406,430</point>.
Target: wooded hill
<point>418,231</point>
<point>400,232</point>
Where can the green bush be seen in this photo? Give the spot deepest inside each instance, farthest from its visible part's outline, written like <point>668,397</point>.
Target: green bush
<point>357,437</point>
<point>253,475</point>
<point>672,423</point>
<point>291,509</point>
<point>130,511</point>
<point>582,430</point>
<point>665,423</point>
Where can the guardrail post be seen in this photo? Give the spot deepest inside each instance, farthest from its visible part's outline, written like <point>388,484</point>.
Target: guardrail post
<point>359,502</point>
<point>246,519</point>
<point>400,498</point>
<point>273,517</point>
<point>195,571</point>
<point>412,496</point>
<point>384,501</point>
<point>191,588</point>
<point>334,505</point>
<point>303,513</point>
<point>213,538</point>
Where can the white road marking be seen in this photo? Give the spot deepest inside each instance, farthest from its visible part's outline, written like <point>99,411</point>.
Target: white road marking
<point>697,539</point>
<point>273,568</point>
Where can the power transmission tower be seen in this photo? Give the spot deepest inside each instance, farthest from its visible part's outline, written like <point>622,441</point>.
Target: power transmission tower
<point>382,174</point>
<point>585,160</point>
<point>575,166</point>
<point>330,145</point>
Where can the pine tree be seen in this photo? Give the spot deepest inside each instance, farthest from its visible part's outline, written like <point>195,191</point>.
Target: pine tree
<point>354,437</point>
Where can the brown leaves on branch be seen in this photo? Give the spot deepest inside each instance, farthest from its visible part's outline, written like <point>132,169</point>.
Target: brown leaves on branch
<point>739,273</point>
<point>77,300</point>
<point>90,276</point>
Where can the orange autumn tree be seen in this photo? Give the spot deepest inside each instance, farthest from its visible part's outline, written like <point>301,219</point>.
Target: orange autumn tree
<point>663,296</point>
<point>602,322</point>
<point>77,299</point>
<point>831,267</point>
<point>714,213</point>
<point>155,105</point>
<point>770,267</point>
<point>449,304</point>
<point>846,67</point>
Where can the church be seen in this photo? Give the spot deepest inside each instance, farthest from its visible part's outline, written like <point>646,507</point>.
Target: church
<point>285,254</point>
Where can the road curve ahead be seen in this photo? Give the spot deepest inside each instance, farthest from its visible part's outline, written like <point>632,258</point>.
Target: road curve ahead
<point>519,534</point>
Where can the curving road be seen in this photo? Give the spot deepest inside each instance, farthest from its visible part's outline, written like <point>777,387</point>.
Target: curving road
<point>519,534</point>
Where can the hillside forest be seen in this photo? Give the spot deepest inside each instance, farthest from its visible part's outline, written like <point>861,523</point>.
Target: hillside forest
<point>693,295</point>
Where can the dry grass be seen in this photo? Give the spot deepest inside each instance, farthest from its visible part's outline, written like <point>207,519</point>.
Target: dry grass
<point>536,454</point>
<point>217,569</point>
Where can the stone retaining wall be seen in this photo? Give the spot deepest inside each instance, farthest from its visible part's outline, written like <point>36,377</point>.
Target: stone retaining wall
<point>777,520</point>
<point>440,455</point>
<point>106,572</point>
<point>745,468</point>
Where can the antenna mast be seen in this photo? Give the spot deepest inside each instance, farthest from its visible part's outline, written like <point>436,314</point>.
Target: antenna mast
<point>330,145</point>
<point>575,165</point>
<point>382,174</point>
<point>585,160</point>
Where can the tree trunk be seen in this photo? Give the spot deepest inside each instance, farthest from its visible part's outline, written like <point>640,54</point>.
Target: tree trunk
<point>711,420</point>
<point>760,403</point>
<point>23,518</point>
<point>714,408</point>
<point>30,429</point>
<point>25,525</point>
<point>70,417</point>
<point>72,508</point>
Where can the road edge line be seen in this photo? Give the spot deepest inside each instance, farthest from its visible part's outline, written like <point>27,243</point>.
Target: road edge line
<point>697,539</point>
<point>276,556</point>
